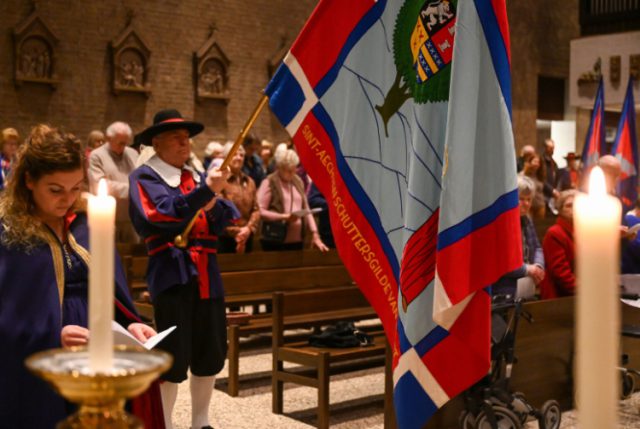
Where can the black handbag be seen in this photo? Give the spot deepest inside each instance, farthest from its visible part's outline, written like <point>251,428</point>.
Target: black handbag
<point>341,335</point>
<point>273,232</point>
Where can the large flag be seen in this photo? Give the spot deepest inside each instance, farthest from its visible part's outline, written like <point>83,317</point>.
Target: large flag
<point>409,138</point>
<point>594,145</point>
<point>625,148</point>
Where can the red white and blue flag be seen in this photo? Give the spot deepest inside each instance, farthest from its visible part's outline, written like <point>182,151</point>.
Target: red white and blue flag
<point>594,145</point>
<point>409,138</point>
<point>625,148</point>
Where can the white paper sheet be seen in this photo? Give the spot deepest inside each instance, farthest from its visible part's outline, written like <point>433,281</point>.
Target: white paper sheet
<point>304,212</point>
<point>124,337</point>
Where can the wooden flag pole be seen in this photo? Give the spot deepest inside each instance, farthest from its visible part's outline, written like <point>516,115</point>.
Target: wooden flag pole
<point>244,131</point>
<point>182,240</point>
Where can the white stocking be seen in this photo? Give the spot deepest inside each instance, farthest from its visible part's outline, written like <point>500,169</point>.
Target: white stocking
<point>201,391</point>
<point>169,393</point>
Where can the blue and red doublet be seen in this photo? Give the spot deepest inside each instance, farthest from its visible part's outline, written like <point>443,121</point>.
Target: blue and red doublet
<point>163,200</point>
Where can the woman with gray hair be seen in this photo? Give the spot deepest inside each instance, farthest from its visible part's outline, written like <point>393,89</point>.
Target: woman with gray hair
<point>284,208</point>
<point>522,282</point>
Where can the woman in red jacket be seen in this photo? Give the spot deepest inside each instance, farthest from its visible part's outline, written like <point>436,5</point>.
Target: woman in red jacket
<point>558,248</point>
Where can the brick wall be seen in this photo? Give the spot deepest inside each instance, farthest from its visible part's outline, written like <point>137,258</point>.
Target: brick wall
<point>249,32</point>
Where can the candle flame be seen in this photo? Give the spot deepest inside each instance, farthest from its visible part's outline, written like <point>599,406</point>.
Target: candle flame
<point>103,191</point>
<point>597,185</point>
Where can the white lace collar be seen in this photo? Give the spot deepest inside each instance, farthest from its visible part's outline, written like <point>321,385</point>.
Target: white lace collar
<point>170,174</point>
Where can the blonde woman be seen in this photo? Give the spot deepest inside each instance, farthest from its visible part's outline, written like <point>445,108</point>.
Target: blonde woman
<point>280,196</point>
<point>44,274</point>
<point>9,142</point>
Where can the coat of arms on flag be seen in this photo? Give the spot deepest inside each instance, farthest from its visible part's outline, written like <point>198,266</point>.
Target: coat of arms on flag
<point>432,39</point>
<point>401,114</point>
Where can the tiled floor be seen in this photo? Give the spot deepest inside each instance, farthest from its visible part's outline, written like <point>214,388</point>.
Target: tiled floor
<point>356,402</point>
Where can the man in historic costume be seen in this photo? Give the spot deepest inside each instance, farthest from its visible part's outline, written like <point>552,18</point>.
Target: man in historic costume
<point>168,196</point>
<point>44,257</point>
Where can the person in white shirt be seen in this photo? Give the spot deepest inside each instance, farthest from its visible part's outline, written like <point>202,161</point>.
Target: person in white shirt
<point>114,161</point>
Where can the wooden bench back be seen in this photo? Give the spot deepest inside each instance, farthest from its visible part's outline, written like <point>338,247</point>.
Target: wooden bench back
<point>251,282</point>
<point>317,301</point>
<point>131,249</point>
<point>262,272</point>
<point>229,262</point>
<point>313,303</point>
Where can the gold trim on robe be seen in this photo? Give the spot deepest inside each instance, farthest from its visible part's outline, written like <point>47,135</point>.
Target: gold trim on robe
<point>81,251</point>
<point>58,261</point>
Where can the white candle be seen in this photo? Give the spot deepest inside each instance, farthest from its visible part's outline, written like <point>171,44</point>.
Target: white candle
<point>597,235</point>
<point>102,209</point>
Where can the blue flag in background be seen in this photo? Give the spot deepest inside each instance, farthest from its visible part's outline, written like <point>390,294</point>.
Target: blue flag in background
<point>625,148</point>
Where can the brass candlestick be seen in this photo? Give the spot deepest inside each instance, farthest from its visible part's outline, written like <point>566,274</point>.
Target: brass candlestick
<point>100,396</point>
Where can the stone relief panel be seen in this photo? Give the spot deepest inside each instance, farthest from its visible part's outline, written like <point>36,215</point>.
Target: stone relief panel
<point>211,71</point>
<point>130,62</point>
<point>212,78</point>
<point>130,70</point>
<point>35,52</point>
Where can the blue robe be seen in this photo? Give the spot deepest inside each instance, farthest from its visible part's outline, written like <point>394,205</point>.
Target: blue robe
<point>31,321</point>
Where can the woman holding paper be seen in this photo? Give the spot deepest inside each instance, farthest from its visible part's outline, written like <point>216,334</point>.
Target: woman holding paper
<point>281,198</point>
<point>44,275</point>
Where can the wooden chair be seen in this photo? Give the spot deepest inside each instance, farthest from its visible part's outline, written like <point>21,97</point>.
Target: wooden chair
<point>314,308</point>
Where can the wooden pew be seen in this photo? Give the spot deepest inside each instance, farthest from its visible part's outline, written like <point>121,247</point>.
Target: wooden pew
<point>251,279</point>
<point>316,308</point>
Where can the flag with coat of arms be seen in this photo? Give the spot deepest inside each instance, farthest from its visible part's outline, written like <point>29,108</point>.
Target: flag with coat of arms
<point>401,114</point>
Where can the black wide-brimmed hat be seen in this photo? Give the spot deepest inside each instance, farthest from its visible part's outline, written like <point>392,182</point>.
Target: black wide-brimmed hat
<point>167,120</point>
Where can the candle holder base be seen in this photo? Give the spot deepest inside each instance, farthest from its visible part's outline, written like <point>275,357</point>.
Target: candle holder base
<point>100,395</point>
<point>106,417</point>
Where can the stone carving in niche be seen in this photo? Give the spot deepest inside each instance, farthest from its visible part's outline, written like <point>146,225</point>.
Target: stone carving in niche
<point>211,71</point>
<point>130,63</point>
<point>278,56</point>
<point>35,52</point>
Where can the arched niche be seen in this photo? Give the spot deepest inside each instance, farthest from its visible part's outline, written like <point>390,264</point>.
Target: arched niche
<point>35,52</point>
<point>211,71</point>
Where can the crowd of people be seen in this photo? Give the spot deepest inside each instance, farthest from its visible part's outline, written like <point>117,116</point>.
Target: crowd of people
<point>546,194</point>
